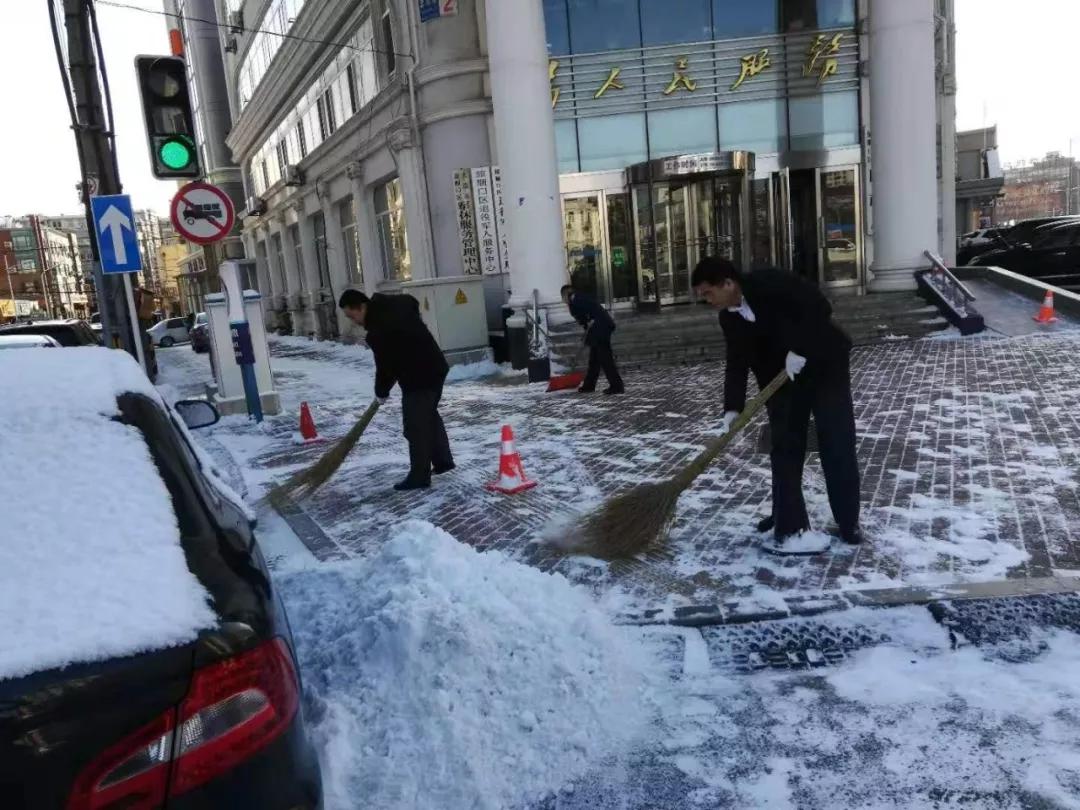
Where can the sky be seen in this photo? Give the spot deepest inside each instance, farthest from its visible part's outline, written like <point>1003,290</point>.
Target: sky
<point>1009,65</point>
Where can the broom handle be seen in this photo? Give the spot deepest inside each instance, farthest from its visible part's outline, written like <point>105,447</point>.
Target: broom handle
<point>709,454</point>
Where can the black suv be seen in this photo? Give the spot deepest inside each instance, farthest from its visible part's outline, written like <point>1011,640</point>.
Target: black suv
<point>215,723</point>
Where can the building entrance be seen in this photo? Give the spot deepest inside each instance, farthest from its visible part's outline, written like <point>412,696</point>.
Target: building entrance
<point>599,238</point>
<point>687,208</point>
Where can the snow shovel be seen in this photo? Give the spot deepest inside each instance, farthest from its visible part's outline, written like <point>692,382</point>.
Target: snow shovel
<point>573,379</point>
<point>307,481</point>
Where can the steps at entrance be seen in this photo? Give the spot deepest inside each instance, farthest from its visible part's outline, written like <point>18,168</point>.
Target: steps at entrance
<point>691,334</point>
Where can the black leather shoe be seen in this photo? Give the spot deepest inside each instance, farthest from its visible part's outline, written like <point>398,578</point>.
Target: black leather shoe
<point>408,483</point>
<point>441,470</point>
<point>852,537</point>
<point>613,390</point>
<point>766,524</point>
<point>584,390</point>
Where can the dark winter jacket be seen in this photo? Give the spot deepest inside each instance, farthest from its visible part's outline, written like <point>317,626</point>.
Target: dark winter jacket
<point>790,315</point>
<point>587,311</point>
<point>405,352</point>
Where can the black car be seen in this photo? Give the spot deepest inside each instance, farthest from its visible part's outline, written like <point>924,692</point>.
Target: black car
<point>200,334</point>
<point>1026,230</point>
<point>214,723</point>
<point>1054,256</point>
<point>74,332</point>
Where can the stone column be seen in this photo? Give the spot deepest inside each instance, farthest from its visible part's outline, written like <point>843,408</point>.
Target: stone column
<point>903,130</point>
<point>370,253</point>
<point>410,166</point>
<point>525,141</point>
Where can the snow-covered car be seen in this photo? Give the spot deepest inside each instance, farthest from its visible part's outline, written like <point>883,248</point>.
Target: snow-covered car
<point>145,657</point>
<point>73,332</point>
<point>982,236</point>
<point>28,342</point>
<point>169,332</point>
<point>200,334</point>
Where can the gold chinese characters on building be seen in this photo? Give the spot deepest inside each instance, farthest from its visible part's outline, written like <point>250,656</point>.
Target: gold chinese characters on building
<point>822,46</point>
<point>821,60</point>
<point>751,65</point>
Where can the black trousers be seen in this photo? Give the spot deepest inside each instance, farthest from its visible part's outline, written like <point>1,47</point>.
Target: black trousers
<point>424,430</point>
<point>601,357</point>
<point>826,393</point>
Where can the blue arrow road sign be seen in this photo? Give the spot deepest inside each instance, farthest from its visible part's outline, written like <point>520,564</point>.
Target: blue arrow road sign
<point>114,226</point>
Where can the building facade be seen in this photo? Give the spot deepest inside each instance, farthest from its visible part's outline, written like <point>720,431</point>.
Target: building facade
<point>816,135</point>
<point>45,265</point>
<point>979,178</point>
<point>1040,188</point>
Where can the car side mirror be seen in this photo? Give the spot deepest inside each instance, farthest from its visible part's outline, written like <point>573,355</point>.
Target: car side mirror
<point>197,413</point>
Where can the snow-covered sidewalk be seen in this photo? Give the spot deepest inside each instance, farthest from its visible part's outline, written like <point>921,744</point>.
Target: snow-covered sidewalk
<point>436,677</point>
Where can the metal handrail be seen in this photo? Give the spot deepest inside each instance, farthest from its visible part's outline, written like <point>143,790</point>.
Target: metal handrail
<point>940,265</point>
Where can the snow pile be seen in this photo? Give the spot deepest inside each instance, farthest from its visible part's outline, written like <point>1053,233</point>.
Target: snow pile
<point>446,678</point>
<point>84,505</point>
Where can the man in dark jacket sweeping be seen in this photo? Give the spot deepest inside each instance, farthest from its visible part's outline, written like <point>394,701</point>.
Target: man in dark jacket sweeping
<point>406,354</point>
<point>774,321</point>
<point>599,327</point>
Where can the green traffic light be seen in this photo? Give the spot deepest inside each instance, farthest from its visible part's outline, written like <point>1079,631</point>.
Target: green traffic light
<point>175,154</point>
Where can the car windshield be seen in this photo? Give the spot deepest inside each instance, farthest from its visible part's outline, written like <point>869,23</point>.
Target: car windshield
<point>200,318</point>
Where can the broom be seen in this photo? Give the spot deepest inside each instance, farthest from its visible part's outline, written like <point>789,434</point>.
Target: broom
<point>307,481</point>
<point>630,521</point>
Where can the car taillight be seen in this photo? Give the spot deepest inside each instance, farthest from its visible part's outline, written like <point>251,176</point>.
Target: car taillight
<point>234,709</point>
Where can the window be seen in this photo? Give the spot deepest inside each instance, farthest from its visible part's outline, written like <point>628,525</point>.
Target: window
<point>611,141</point>
<point>22,241</point>
<point>393,240</point>
<point>555,24</point>
<point>282,150</point>
<point>294,236</point>
<point>301,139</point>
<point>738,18</point>
<point>318,225</point>
<point>265,174</point>
<point>809,15</point>
<point>756,126</point>
<point>354,96</point>
<point>27,264</point>
<point>1058,238</point>
<point>388,42</point>
<point>603,25</point>
<point>671,21</point>
<point>824,121</point>
<point>351,238</point>
<point>369,76</point>
<point>327,122</point>
<point>566,146</point>
<point>682,131</point>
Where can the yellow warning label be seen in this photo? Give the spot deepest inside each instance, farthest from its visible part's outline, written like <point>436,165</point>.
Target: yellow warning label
<point>460,297</point>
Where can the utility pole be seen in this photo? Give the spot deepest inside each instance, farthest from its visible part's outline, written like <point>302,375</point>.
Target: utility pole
<point>96,156</point>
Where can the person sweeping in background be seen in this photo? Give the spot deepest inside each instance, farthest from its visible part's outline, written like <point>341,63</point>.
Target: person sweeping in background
<point>774,321</point>
<point>599,327</point>
<point>406,354</point>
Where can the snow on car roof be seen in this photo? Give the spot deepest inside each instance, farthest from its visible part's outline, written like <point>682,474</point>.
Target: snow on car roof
<point>91,565</point>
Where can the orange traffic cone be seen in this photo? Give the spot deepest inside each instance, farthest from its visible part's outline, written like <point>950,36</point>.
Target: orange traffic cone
<point>511,478</point>
<point>1046,312</point>
<point>307,424</point>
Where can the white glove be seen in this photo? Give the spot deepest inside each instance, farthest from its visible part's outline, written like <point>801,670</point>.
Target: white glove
<point>382,400</point>
<point>729,419</point>
<point>793,364</point>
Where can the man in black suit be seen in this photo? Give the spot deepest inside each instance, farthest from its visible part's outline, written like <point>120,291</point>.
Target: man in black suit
<point>599,326</point>
<point>774,321</point>
<point>406,354</point>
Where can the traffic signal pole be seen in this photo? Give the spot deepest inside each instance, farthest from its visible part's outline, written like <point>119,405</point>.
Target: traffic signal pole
<point>97,160</point>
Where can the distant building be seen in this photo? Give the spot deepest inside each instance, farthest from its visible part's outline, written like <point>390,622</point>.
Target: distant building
<point>1040,188</point>
<point>979,179</point>
<point>46,267</point>
<point>171,254</point>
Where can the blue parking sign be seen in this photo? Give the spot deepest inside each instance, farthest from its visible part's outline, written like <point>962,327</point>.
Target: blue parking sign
<point>114,227</point>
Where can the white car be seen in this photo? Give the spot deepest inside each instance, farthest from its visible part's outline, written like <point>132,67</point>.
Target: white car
<point>27,342</point>
<point>982,236</point>
<point>169,332</point>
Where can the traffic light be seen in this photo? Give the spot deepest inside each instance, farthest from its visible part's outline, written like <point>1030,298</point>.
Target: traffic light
<point>170,125</point>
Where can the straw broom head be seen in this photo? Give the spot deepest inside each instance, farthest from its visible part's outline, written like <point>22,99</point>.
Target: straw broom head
<point>305,482</point>
<point>630,522</point>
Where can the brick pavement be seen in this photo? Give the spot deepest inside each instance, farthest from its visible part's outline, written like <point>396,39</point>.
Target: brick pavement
<point>969,450</point>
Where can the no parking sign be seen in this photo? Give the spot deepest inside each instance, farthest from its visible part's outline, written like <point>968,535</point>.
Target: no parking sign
<point>202,213</point>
